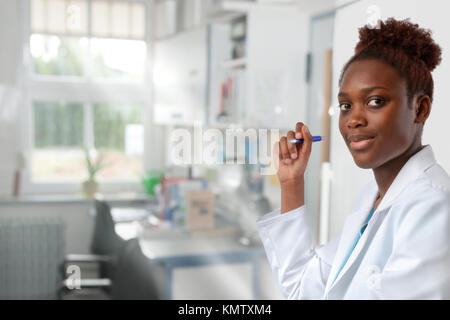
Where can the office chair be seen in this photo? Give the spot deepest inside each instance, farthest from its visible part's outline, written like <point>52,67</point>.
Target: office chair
<point>124,271</point>
<point>133,278</point>
<point>105,246</point>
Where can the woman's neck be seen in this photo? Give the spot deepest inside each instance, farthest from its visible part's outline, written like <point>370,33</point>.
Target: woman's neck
<point>386,173</point>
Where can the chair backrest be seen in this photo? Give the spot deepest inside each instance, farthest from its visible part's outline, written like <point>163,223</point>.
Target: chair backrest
<point>105,240</point>
<point>31,252</point>
<point>134,278</point>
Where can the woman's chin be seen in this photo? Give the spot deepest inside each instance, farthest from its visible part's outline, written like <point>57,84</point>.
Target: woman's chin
<point>364,165</point>
<point>363,162</point>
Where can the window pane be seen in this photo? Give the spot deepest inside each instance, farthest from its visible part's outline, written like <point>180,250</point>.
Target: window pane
<point>38,13</point>
<point>137,21</point>
<point>56,17</point>
<point>120,15</point>
<point>100,18</point>
<point>58,124</point>
<point>58,141</point>
<point>54,55</point>
<point>118,135</point>
<point>77,17</point>
<point>118,19</point>
<point>118,59</point>
<point>59,16</point>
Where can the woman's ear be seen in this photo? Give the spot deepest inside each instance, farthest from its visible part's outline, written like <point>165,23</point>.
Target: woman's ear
<point>422,108</point>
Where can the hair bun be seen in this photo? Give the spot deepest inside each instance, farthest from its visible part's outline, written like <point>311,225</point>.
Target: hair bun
<point>404,35</point>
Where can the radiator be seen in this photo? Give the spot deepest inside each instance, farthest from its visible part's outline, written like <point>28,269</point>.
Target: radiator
<point>31,253</point>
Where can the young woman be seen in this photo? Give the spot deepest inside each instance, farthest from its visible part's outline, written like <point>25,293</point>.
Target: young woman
<point>395,243</point>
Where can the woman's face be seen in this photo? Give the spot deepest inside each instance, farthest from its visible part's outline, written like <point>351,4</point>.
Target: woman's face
<point>375,120</point>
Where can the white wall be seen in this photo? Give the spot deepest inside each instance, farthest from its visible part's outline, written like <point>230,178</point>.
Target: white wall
<point>348,179</point>
<point>276,62</point>
<point>9,92</point>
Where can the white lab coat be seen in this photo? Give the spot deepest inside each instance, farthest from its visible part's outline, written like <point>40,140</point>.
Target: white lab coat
<point>404,253</point>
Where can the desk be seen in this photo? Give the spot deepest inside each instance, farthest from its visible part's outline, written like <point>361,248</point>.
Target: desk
<point>181,249</point>
<point>201,251</point>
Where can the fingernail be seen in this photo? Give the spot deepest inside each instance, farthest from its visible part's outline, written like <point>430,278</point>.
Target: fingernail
<point>287,161</point>
<point>294,156</point>
<point>298,135</point>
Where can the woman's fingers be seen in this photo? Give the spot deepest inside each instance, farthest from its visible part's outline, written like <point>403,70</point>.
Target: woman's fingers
<point>292,147</point>
<point>298,130</point>
<point>284,151</point>
<point>276,154</point>
<point>307,143</point>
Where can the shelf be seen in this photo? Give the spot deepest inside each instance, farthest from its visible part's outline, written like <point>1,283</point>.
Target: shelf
<point>236,63</point>
<point>227,11</point>
<point>238,6</point>
<point>75,198</point>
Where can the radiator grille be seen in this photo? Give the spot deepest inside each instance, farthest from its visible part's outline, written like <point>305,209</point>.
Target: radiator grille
<point>31,252</point>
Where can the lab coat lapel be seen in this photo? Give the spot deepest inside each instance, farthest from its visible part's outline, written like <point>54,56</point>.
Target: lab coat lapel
<point>371,227</point>
<point>351,228</point>
<point>415,166</point>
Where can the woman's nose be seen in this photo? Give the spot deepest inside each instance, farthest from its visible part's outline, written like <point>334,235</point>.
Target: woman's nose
<point>357,118</point>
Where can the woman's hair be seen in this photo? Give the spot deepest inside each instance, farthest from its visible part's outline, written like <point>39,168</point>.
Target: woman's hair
<point>403,45</point>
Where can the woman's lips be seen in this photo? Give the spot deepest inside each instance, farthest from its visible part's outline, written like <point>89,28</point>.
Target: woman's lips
<point>361,143</point>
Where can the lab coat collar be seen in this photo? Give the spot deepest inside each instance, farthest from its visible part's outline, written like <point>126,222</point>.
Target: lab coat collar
<point>410,171</point>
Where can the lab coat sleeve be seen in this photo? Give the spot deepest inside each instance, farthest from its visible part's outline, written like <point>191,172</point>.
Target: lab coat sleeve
<point>419,266</point>
<point>301,271</point>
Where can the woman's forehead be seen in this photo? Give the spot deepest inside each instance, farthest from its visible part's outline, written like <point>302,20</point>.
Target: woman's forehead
<point>369,73</point>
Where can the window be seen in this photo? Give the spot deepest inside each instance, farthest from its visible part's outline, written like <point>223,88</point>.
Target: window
<point>60,56</point>
<point>58,135</point>
<point>88,88</point>
<point>118,134</point>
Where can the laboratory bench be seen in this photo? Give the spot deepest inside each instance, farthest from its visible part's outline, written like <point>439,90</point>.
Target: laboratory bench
<point>178,247</point>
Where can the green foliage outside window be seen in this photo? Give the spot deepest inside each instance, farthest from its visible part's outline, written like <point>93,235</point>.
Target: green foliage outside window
<point>110,122</point>
<point>58,124</point>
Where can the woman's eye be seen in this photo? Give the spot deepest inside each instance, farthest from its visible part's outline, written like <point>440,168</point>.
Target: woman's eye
<point>375,102</point>
<point>344,106</point>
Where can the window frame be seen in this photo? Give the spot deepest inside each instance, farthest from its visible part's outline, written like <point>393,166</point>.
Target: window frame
<point>87,91</point>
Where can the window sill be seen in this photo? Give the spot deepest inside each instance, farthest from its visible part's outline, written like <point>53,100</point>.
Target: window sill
<point>116,199</point>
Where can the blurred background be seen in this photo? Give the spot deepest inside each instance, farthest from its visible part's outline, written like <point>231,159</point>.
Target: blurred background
<point>92,203</point>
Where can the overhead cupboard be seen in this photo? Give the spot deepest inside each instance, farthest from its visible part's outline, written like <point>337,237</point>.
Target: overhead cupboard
<point>247,70</point>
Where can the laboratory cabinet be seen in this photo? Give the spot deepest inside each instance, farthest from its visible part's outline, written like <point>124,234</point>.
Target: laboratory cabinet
<point>179,77</point>
<point>257,67</point>
<point>248,70</point>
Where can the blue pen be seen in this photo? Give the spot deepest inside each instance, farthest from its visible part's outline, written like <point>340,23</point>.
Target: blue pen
<point>315,138</point>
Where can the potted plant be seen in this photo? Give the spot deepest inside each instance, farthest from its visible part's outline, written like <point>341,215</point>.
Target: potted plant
<point>90,186</point>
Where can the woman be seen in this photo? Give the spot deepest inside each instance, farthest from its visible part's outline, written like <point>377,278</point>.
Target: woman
<point>395,243</point>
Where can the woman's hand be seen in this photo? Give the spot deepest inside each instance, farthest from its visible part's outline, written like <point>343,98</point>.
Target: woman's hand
<point>292,159</point>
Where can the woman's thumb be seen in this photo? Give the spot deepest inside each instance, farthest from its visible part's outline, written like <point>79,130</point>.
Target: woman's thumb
<point>307,143</point>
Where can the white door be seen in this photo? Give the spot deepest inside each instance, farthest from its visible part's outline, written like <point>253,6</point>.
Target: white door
<point>321,43</point>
